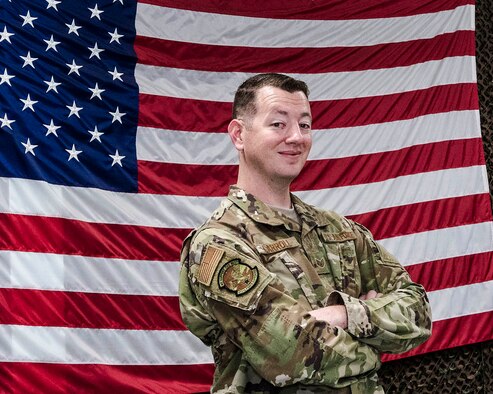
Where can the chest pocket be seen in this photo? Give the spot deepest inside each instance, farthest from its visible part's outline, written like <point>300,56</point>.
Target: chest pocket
<point>278,260</point>
<point>284,258</point>
<point>341,254</point>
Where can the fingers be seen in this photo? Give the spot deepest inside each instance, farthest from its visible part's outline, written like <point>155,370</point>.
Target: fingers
<point>370,295</point>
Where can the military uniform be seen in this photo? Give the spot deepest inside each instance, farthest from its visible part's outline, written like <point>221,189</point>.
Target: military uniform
<point>251,274</point>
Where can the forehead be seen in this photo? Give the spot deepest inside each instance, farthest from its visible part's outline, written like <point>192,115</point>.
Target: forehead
<point>270,99</point>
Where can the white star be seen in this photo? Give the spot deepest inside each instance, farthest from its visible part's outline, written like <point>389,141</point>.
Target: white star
<point>117,115</point>
<point>95,51</point>
<point>52,85</point>
<point>95,134</point>
<point>73,153</point>
<point>5,35</point>
<point>51,44</point>
<point>121,1</point>
<point>6,122</point>
<point>28,103</point>
<point>72,28</point>
<point>5,78</point>
<point>52,128</point>
<point>52,4</point>
<point>29,147</point>
<point>115,36</point>
<point>28,19</point>
<point>96,92</point>
<point>28,60</point>
<point>74,110</point>
<point>74,68</point>
<point>117,159</point>
<point>116,74</point>
<point>95,13</point>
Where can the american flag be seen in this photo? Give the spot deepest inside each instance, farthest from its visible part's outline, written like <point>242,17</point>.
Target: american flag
<point>113,146</point>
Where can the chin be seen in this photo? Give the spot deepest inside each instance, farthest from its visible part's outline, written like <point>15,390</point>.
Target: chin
<point>289,177</point>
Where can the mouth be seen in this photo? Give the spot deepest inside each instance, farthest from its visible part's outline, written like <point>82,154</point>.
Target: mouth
<point>290,153</point>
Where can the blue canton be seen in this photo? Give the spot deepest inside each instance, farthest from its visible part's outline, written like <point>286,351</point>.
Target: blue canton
<point>68,95</point>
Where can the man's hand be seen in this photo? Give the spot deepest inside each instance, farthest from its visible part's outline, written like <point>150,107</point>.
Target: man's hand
<point>335,315</point>
<point>368,296</point>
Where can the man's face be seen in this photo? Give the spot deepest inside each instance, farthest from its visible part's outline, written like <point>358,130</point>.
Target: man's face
<point>277,139</point>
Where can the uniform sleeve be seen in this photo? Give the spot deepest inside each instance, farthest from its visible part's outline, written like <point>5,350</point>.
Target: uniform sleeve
<point>395,322</point>
<point>224,284</point>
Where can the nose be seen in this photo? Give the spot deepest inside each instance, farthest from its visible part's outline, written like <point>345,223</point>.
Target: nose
<point>294,134</point>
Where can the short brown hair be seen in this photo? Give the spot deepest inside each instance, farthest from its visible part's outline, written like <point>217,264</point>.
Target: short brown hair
<point>244,102</point>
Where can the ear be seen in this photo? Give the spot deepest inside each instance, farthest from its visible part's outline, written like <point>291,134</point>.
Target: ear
<point>235,131</point>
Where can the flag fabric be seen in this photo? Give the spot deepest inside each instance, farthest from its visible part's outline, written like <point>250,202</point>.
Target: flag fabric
<point>113,146</point>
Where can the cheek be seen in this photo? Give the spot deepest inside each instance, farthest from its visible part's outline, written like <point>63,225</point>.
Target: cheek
<point>264,143</point>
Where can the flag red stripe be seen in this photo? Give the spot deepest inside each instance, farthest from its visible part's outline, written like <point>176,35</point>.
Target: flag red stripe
<point>293,9</point>
<point>201,180</point>
<point>19,377</point>
<point>376,167</point>
<point>89,310</point>
<point>426,216</point>
<point>166,53</point>
<point>208,116</point>
<point>452,272</point>
<point>391,107</point>
<point>167,113</point>
<point>213,180</point>
<point>54,235</point>
<point>449,333</point>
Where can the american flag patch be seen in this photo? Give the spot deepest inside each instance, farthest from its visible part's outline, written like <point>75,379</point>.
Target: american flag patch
<point>208,265</point>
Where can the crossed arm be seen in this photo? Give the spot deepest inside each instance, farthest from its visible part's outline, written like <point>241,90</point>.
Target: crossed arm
<point>336,315</point>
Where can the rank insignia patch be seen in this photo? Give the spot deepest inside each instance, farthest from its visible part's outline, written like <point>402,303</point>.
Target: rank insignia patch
<point>237,277</point>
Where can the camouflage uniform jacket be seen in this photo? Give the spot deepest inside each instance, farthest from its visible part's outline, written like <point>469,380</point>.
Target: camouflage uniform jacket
<point>249,277</point>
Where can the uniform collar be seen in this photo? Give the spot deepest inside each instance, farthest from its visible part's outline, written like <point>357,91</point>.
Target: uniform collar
<point>260,212</point>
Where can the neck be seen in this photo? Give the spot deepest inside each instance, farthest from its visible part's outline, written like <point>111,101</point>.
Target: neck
<point>272,193</point>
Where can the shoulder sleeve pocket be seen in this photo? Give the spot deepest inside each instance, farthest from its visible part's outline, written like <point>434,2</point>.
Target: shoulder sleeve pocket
<point>237,279</point>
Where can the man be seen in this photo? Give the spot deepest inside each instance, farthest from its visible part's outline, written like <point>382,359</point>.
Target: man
<point>291,299</point>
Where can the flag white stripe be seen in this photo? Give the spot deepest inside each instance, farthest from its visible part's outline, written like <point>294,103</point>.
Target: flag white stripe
<point>58,272</point>
<point>186,147</point>
<point>475,298</point>
<point>142,347</point>
<point>404,190</point>
<point>441,244</point>
<point>91,205</point>
<point>193,84</point>
<point>218,29</point>
<point>169,211</point>
<point>24,270</point>
<point>391,136</point>
<point>89,346</point>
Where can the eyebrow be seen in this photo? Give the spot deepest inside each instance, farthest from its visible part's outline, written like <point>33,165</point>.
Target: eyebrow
<point>285,113</point>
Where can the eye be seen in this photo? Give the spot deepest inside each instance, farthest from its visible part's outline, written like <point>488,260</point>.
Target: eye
<point>277,125</point>
<point>306,126</point>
